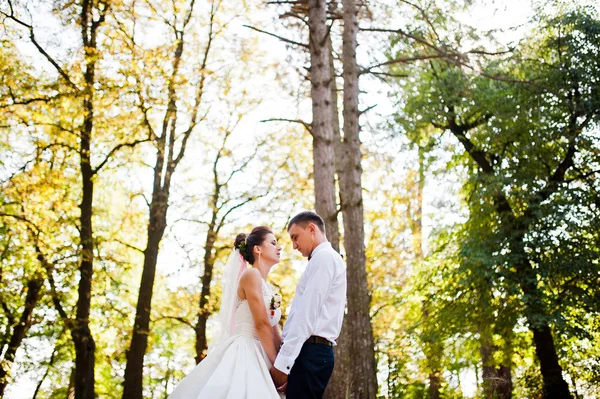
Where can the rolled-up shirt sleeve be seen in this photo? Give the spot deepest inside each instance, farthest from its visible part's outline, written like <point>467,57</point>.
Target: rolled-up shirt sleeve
<point>318,277</point>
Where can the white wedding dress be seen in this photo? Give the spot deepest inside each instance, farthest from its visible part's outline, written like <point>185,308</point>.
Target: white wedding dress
<point>237,368</point>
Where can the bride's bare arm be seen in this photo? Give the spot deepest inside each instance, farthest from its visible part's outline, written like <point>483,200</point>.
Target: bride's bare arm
<point>251,284</point>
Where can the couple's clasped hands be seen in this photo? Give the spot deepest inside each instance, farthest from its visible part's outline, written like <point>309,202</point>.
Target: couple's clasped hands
<point>280,379</point>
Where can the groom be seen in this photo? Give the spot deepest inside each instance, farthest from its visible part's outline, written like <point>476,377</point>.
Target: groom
<point>305,360</point>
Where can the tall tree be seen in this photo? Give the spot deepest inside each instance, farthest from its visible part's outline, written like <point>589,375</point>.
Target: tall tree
<point>358,321</point>
<point>170,146</point>
<point>322,130</point>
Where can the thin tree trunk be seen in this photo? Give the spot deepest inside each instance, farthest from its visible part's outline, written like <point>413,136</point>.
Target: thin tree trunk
<point>488,370</point>
<point>322,131</point>
<point>132,387</point>
<point>334,234</point>
<point>497,380</point>
<point>85,347</point>
<point>555,386</point>
<point>505,386</point>
<point>358,321</point>
<point>339,386</point>
<point>19,331</point>
<point>204,313</point>
<point>163,169</point>
<point>434,348</point>
<point>433,353</point>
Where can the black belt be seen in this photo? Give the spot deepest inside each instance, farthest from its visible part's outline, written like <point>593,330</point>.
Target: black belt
<point>318,340</point>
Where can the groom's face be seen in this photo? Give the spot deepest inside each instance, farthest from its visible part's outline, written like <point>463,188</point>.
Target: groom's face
<point>302,238</point>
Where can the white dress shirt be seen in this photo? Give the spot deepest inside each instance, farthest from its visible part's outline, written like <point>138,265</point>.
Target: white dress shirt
<point>318,306</point>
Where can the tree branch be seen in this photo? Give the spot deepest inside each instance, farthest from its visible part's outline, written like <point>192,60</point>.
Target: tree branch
<point>117,148</point>
<point>307,125</point>
<point>129,246</point>
<point>403,60</point>
<point>367,109</point>
<point>582,176</point>
<point>176,318</point>
<point>283,39</point>
<point>29,27</point>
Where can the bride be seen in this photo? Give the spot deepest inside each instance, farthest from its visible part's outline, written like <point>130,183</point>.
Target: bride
<point>237,365</point>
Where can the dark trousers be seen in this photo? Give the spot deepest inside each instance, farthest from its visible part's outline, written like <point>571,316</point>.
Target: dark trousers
<point>311,372</point>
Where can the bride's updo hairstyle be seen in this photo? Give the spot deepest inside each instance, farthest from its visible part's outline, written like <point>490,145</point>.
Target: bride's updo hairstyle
<point>246,243</point>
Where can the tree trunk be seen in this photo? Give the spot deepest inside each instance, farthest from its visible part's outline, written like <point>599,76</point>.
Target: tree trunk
<point>132,387</point>
<point>334,234</point>
<point>433,353</point>
<point>497,379</point>
<point>19,331</point>
<point>358,321</point>
<point>133,384</point>
<point>85,347</point>
<point>497,382</point>
<point>203,313</point>
<point>555,386</point>
<point>322,132</point>
<point>434,347</point>
<point>338,386</point>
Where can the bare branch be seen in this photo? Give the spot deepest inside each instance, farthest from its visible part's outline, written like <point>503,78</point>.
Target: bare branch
<point>295,16</point>
<point>283,39</point>
<point>403,60</point>
<point>240,204</point>
<point>307,125</point>
<point>390,75</point>
<point>129,246</point>
<point>367,109</point>
<point>117,148</point>
<point>492,53</point>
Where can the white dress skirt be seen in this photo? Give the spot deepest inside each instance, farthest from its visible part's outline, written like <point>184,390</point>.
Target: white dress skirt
<point>237,368</point>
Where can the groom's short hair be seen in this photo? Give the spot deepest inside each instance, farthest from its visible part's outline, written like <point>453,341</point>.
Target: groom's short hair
<point>306,217</point>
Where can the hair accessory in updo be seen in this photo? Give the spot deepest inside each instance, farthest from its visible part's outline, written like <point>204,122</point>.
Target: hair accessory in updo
<point>246,243</point>
<point>242,248</point>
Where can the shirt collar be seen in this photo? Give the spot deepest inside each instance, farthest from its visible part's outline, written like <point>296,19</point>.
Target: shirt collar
<point>319,247</point>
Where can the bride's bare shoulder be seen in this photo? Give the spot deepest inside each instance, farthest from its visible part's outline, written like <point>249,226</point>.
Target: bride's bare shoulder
<point>250,276</point>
